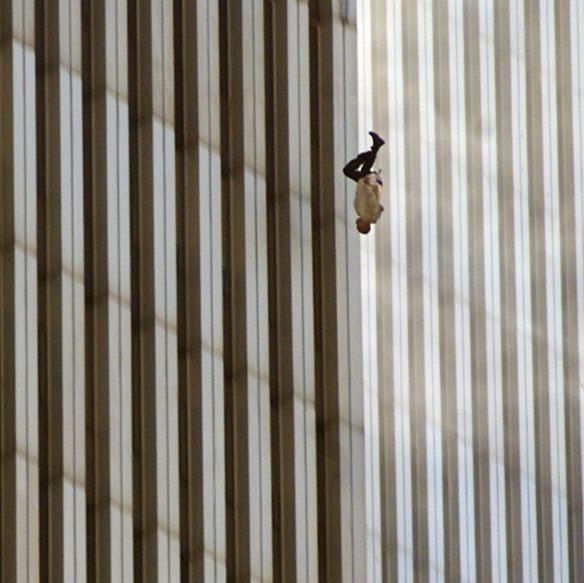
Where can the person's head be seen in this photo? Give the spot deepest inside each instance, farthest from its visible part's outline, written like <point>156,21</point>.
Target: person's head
<point>363,226</point>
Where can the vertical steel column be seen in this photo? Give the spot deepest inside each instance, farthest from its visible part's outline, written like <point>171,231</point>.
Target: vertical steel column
<point>338,349</point>
<point>48,107</point>
<point>144,427</point>
<point>8,476</point>
<point>291,317</point>
<point>247,398</point>
<point>97,401</point>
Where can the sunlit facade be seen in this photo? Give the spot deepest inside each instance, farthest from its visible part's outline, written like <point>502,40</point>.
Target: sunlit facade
<point>478,275</point>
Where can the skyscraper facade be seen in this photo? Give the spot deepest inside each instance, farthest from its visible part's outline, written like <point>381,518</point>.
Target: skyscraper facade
<point>208,374</point>
<point>479,288</point>
<point>180,294</point>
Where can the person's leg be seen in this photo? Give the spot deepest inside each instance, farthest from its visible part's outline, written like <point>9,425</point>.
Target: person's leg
<point>368,159</point>
<point>364,160</point>
<point>351,170</point>
<point>377,142</point>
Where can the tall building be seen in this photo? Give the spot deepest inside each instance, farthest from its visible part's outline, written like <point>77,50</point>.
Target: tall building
<point>207,374</point>
<point>479,278</point>
<point>180,292</point>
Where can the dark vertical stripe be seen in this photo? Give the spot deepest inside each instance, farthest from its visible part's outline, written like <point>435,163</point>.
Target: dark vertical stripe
<point>332,118</point>
<point>278,517</point>
<point>186,51</point>
<point>275,438</point>
<point>447,323</point>
<point>570,331</point>
<point>8,547</point>
<point>325,302</point>
<point>479,375</point>
<point>225,105</point>
<point>506,217</point>
<point>97,444</point>
<point>325,298</point>
<point>282,379</point>
<point>142,291</point>
<point>49,290</point>
<point>415,277</point>
<point>538,292</point>
<point>348,339</point>
<point>234,306</point>
<point>317,260</point>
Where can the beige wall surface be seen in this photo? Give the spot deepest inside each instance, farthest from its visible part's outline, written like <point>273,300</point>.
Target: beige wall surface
<point>479,289</point>
<point>207,374</point>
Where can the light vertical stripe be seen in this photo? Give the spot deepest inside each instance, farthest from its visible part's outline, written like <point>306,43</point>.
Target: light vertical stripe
<point>28,293</point>
<point>538,264</point>
<point>213,494</point>
<point>211,277</point>
<point>445,276</point>
<point>119,290</point>
<point>382,325</point>
<point>258,396</point>
<point>165,290</point>
<point>210,225</point>
<point>26,324</point>
<point>19,358</point>
<point>72,292</point>
<point>553,292</point>
<point>477,259</point>
<point>348,316</point>
<point>523,293</point>
<point>371,408</point>
<point>461,292</point>
<point>569,300</point>
<point>396,186</point>
<point>415,273</point>
<point>306,556</point>
<point>369,311</point>
<point>492,294</point>
<point>120,336</point>
<point>508,269</point>
<point>577,60</point>
<point>430,292</point>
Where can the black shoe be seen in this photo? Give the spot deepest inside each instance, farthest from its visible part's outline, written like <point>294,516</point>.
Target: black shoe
<point>377,141</point>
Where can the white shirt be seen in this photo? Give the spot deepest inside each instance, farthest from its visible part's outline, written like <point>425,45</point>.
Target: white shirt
<point>368,196</point>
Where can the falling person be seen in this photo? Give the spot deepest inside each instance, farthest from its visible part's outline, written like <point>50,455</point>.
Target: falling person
<point>369,185</point>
